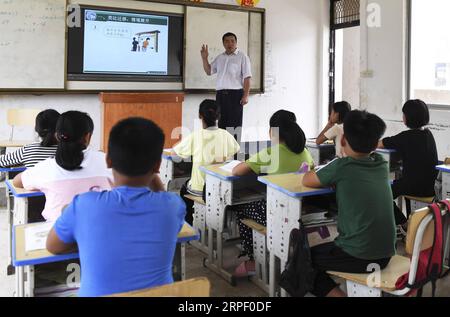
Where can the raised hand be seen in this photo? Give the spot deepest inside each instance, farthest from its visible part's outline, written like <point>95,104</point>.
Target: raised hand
<point>204,52</point>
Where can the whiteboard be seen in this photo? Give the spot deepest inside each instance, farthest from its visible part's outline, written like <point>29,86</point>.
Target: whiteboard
<point>207,26</point>
<point>32,44</point>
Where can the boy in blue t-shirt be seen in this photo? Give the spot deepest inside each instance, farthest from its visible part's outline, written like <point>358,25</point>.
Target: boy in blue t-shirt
<point>126,237</point>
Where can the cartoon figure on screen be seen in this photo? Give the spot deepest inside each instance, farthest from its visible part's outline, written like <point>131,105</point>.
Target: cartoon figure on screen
<point>145,44</point>
<point>135,45</point>
<point>149,35</point>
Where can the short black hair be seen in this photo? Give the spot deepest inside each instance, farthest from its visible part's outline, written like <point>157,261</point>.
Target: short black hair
<point>363,130</point>
<point>209,111</point>
<point>227,35</point>
<point>416,114</point>
<point>342,108</point>
<point>135,146</point>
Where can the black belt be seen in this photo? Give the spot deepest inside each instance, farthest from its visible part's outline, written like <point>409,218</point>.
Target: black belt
<point>227,91</point>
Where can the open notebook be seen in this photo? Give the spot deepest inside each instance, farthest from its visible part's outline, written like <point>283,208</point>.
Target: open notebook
<point>36,236</point>
<point>228,167</point>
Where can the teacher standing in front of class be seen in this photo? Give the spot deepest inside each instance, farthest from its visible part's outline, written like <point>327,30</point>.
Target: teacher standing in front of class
<point>233,71</point>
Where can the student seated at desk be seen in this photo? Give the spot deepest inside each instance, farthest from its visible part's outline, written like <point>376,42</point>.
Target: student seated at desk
<point>207,146</point>
<point>287,155</point>
<point>31,154</point>
<point>126,237</point>
<point>366,222</point>
<point>75,169</point>
<point>335,127</point>
<point>417,149</point>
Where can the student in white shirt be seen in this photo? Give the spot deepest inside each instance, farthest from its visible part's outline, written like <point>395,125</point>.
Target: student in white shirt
<point>75,169</point>
<point>334,130</point>
<point>207,146</point>
<point>233,69</point>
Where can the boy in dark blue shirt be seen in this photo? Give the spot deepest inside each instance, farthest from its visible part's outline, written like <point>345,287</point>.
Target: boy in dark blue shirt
<point>126,237</point>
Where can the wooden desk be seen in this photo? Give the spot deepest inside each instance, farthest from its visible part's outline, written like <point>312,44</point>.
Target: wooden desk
<point>12,143</point>
<point>171,165</point>
<point>196,287</point>
<point>284,209</point>
<point>322,153</point>
<point>445,169</point>
<point>24,261</point>
<point>224,190</point>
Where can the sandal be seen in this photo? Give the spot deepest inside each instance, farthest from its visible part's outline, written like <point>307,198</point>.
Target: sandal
<point>245,269</point>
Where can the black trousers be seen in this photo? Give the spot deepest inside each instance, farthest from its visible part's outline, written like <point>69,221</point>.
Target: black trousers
<point>403,187</point>
<point>231,109</point>
<point>329,257</point>
<point>189,203</point>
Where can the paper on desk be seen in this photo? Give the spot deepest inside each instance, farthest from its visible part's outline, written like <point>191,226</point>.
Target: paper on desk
<point>316,218</point>
<point>36,236</point>
<point>229,166</point>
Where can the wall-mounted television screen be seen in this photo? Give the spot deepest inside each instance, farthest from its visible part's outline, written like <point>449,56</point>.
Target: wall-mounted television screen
<point>115,45</point>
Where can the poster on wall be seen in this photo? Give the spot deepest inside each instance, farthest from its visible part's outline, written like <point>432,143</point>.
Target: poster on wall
<point>247,3</point>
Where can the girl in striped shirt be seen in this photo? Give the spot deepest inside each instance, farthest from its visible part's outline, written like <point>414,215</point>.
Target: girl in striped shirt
<point>31,154</point>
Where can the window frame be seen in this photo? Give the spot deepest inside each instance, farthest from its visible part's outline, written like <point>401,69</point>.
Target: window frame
<point>332,51</point>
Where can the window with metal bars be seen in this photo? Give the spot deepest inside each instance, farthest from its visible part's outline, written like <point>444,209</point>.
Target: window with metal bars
<point>343,14</point>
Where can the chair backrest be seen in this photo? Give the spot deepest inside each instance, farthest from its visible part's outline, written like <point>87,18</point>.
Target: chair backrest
<point>421,237</point>
<point>414,222</point>
<point>196,287</point>
<point>22,117</point>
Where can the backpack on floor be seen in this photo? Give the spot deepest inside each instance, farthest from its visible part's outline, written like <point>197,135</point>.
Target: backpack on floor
<point>299,275</point>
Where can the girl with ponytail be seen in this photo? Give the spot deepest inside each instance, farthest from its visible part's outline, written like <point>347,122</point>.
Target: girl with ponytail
<point>31,154</point>
<point>207,146</point>
<point>75,169</point>
<point>286,155</point>
<point>73,131</point>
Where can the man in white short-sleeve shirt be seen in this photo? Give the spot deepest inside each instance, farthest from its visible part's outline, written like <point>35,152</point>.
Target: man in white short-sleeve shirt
<point>233,69</point>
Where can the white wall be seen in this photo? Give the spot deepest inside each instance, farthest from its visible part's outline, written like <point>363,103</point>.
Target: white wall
<point>294,76</point>
<point>384,54</point>
<point>60,102</point>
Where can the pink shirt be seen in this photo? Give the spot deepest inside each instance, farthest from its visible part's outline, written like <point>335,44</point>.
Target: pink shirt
<point>61,186</point>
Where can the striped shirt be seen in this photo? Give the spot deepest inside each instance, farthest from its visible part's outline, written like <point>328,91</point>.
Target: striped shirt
<point>28,156</point>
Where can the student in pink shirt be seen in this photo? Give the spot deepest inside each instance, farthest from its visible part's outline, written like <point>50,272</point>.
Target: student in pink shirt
<point>75,169</point>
